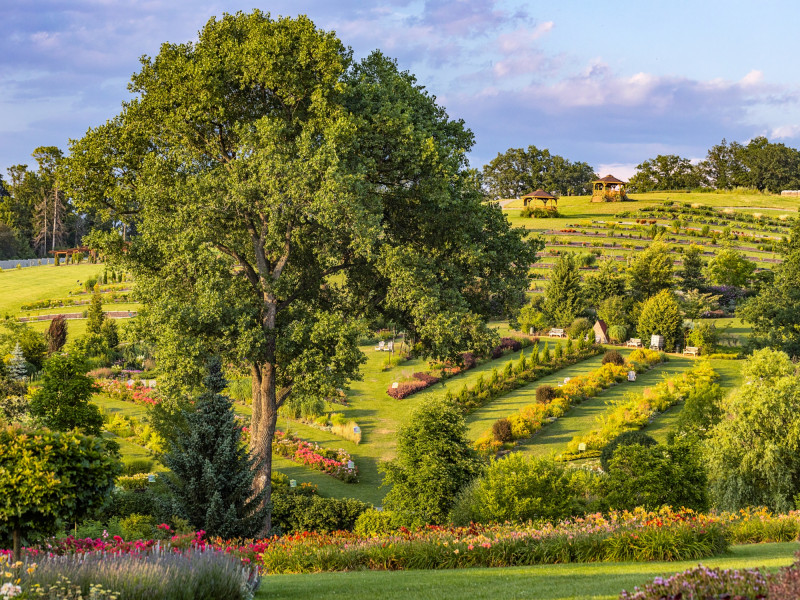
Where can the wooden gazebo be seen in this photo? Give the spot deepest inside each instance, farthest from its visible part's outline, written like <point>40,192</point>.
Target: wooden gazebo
<point>608,189</point>
<point>546,199</point>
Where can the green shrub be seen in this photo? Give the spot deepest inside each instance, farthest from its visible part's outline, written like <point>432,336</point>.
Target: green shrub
<point>519,488</point>
<point>296,512</point>
<point>374,522</point>
<point>617,333</point>
<point>624,439</point>
<point>579,328</point>
<point>138,527</point>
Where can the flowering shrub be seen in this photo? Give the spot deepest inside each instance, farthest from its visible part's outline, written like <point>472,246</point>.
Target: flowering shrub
<point>331,462</point>
<point>533,417</point>
<point>702,582</point>
<point>636,411</point>
<point>196,570</point>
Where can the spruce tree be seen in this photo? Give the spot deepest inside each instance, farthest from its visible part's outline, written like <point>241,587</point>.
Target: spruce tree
<point>212,473</point>
<point>17,370</point>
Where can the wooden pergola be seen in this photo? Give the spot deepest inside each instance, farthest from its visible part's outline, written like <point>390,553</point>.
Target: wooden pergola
<point>542,196</point>
<point>608,189</point>
<point>70,251</point>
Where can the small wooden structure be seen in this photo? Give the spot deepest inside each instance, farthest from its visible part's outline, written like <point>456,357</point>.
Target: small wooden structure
<point>656,342</point>
<point>70,251</point>
<point>548,201</point>
<point>608,189</point>
<point>600,332</point>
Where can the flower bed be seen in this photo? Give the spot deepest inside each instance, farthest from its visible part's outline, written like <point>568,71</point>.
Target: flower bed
<point>331,462</point>
<point>638,535</point>
<point>120,391</point>
<point>533,417</point>
<point>702,582</point>
<point>636,411</point>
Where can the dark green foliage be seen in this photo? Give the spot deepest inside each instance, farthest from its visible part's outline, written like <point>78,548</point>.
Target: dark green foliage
<point>501,430</point>
<point>606,283</point>
<point>563,294</point>
<point>775,312</point>
<point>519,488</point>
<point>434,461</point>
<point>661,315</point>
<point>137,465</point>
<point>545,393</point>
<point>613,357</point>
<point>519,171</point>
<point>95,315</point>
<point>212,474</point>
<point>62,400</point>
<point>650,272</point>
<point>579,328</point>
<point>56,334</point>
<point>109,331</point>
<point>654,476</point>
<point>294,513</point>
<point>31,342</point>
<point>624,439</point>
<point>693,264</point>
<point>701,410</point>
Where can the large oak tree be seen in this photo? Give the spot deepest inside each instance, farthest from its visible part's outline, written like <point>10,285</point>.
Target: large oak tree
<point>279,193</point>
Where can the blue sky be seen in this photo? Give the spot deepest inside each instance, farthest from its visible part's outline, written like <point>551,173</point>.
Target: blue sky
<point>610,83</point>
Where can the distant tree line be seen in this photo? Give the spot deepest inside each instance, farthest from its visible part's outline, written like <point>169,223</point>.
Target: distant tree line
<point>36,216</point>
<point>761,165</point>
<point>520,171</point>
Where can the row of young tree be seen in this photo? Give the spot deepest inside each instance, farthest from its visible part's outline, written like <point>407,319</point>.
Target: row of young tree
<point>759,164</point>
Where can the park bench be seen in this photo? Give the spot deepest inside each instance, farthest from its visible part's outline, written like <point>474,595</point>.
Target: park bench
<point>557,333</point>
<point>694,351</point>
<point>634,342</point>
<point>381,346</point>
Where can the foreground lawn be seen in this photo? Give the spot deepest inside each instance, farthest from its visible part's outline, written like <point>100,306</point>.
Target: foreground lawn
<point>593,581</point>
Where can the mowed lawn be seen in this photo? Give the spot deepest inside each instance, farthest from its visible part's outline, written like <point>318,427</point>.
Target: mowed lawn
<point>24,286</point>
<point>583,581</point>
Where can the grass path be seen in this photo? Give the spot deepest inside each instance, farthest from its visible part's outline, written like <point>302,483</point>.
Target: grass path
<point>583,418</point>
<point>584,581</point>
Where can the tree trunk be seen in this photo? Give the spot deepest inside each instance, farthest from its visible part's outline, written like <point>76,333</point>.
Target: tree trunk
<point>16,548</point>
<point>263,432</point>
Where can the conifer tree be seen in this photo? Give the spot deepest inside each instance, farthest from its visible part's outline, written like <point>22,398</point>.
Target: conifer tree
<point>95,314</point>
<point>212,474</point>
<point>563,295</point>
<point>56,334</point>
<point>16,367</point>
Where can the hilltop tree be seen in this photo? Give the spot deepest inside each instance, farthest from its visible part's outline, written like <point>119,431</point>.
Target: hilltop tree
<point>519,171</point>
<point>281,193</point>
<point>665,172</point>
<point>722,167</point>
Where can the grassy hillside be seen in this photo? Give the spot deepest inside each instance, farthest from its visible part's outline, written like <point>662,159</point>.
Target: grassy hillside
<point>22,286</point>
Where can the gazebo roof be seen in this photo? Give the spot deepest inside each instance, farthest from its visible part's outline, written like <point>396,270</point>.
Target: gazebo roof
<point>610,179</point>
<point>540,193</point>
